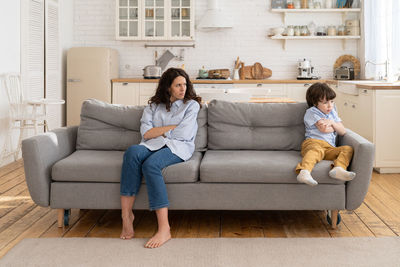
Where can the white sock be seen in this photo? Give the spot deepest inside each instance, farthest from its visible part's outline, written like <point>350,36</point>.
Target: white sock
<point>305,177</point>
<point>341,174</point>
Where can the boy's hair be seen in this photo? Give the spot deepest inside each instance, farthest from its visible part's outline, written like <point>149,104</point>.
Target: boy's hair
<point>317,92</point>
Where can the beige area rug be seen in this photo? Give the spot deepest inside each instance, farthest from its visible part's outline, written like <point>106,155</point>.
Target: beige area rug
<point>206,252</point>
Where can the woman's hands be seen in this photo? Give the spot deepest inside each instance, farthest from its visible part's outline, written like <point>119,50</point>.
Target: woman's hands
<point>157,131</point>
<point>330,126</point>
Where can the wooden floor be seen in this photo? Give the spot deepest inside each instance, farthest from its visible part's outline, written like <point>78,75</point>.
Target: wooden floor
<point>20,218</point>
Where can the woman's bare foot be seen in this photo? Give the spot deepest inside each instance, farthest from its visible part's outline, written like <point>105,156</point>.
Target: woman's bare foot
<point>127,226</point>
<point>162,236</point>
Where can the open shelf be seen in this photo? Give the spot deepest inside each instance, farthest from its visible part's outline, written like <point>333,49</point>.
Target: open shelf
<point>343,11</point>
<point>336,37</point>
<point>316,10</point>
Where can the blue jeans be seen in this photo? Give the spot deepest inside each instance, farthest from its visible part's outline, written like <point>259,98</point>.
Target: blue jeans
<point>140,161</point>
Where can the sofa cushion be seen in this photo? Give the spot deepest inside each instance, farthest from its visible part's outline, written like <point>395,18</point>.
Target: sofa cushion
<point>105,166</point>
<point>259,126</point>
<point>249,166</point>
<point>116,127</point>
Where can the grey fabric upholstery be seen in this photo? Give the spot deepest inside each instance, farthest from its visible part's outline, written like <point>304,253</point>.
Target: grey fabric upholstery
<point>105,166</point>
<point>205,196</point>
<point>40,153</point>
<point>277,167</point>
<point>108,127</point>
<point>362,164</point>
<point>255,126</point>
<point>116,127</point>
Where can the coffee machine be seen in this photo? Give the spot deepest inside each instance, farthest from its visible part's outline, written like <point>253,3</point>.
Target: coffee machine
<point>305,70</point>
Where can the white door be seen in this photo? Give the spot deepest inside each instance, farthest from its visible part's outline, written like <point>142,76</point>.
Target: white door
<point>53,63</point>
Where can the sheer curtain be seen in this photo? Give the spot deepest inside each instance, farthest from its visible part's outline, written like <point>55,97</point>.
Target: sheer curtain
<point>382,40</point>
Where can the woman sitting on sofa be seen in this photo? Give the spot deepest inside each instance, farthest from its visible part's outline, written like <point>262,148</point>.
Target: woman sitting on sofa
<point>168,129</point>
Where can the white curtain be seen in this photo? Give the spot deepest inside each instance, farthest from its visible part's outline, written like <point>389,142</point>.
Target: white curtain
<point>382,40</point>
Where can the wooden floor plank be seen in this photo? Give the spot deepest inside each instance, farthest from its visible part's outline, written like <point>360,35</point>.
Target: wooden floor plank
<point>110,225</point>
<point>21,225</point>
<point>341,229</point>
<point>355,225</point>
<point>272,224</point>
<point>377,203</point>
<point>303,224</point>
<point>373,222</point>
<point>147,226</point>
<point>241,224</point>
<point>11,175</point>
<point>39,227</point>
<point>13,198</point>
<point>85,224</point>
<point>55,231</point>
<point>16,214</point>
<point>209,224</point>
<point>11,183</point>
<point>10,168</point>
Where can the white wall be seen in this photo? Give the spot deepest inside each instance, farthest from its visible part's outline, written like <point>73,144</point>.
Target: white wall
<point>94,25</point>
<point>9,56</point>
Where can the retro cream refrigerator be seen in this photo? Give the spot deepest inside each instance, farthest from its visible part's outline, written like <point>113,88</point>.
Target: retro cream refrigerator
<point>89,74</point>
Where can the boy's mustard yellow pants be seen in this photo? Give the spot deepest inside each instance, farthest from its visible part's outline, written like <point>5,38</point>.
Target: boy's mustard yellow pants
<point>315,150</point>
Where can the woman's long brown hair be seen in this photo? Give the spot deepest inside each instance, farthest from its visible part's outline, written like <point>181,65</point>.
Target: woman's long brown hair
<point>162,93</point>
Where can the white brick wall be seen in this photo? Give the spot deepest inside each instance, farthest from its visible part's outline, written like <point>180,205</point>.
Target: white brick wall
<point>94,25</point>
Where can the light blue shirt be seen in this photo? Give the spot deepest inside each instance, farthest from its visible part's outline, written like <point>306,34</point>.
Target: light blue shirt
<point>313,115</point>
<point>181,139</point>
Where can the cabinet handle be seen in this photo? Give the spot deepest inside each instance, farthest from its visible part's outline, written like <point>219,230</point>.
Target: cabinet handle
<point>353,106</point>
<point>306,84</point>
<point>259,84</point>
<point>345,103</point>
<point>124,84</point>
<point>73,80</point>
<point>365,91</point>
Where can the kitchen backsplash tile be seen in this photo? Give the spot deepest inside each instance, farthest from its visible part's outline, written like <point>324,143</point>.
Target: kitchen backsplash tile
<point>94,26</point>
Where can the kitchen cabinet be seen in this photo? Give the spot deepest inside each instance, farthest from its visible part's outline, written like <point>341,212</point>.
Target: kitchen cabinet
<point>155,20</point>
<point>371,113</point>
<point>297,91</point>
<point>260,90</point>
<point>138,93</point>
<point>303,11</point>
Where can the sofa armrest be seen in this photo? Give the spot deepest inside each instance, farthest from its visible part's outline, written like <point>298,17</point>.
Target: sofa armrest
<point>362,164</point>
<point>40,153</point>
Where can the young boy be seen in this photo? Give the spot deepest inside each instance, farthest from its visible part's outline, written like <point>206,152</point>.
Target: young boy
<point>322,125</point>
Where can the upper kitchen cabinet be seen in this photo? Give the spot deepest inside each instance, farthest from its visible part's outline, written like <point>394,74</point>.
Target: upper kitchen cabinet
<point>155,20</point>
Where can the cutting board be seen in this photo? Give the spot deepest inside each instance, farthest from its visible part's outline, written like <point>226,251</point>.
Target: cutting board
<point>254,72</point>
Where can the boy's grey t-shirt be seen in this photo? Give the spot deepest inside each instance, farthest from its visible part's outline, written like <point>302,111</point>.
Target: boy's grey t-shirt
<point>313,115</point>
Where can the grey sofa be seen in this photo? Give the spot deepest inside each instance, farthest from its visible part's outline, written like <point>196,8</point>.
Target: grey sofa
<point>245,158</point>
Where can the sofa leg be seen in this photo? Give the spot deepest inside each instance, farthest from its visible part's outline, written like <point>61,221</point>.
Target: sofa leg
<point>60,218</point>
<point>334,214</point>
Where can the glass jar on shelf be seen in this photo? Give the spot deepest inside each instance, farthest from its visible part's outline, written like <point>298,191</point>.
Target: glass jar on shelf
<point>297,4</point>
<point>304,31</point>
<point>289,4</point>
<point>331,30</point>
<point>290,30</point>
<point>297,31</point>
<point>341,30</point>
<point>321,31</point>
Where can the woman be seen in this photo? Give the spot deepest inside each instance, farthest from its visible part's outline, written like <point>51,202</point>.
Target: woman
<point>168,128</point>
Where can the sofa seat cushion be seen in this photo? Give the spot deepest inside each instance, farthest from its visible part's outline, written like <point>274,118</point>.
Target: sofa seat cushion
<point>105,166</point>
<point>249,166</point>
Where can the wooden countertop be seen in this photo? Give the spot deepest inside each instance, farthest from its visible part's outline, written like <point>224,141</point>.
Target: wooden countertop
<point>220,81</point>
<point>365,84</point>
